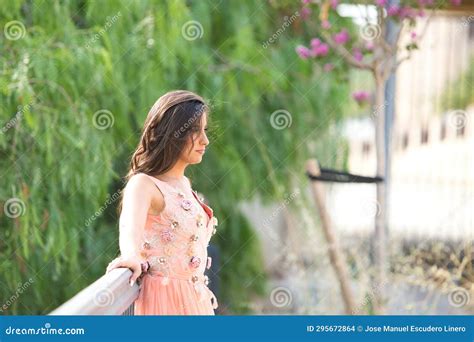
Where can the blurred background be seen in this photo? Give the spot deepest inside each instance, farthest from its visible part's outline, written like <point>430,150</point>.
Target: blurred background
<point>372,88</point>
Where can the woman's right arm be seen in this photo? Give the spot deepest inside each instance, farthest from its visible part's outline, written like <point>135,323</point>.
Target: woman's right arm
<point>137,199</point>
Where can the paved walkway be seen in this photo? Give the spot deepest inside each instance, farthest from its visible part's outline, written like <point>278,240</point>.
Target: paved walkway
<point>291,295</point>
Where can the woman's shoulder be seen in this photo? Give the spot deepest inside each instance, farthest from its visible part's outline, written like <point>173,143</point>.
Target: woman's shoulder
<point>141,182</point>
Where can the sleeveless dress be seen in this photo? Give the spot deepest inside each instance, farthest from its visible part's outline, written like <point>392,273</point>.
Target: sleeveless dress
<point>175,244</point>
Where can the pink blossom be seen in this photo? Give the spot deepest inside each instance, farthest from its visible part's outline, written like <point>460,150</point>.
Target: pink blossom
<point>341,37</point>
<point>305,12</point>
<point>393,10</point>
<point>303,52</point>
<point>381,3</point>
<point>315,42</point>
<point>328,67</point>
<point>360,96</point>
<point>325,24</point>
<point>406,12</point>
<point>334,4</point>
<point>413,35</point>
<point>320,50</point>
<point>357,54</point>
<point>455,2</point>
<point>425,2</point>
<point>369,45</point>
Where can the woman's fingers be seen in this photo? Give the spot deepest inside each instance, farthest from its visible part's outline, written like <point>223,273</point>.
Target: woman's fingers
<point>136,273</point>
<point>110,266</point>
<point>113,264</point>
<point>133,264</point>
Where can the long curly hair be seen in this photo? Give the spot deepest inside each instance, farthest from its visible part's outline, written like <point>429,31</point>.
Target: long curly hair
<point>168,127</point>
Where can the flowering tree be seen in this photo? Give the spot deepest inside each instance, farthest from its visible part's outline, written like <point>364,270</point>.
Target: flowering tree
<point>377,49</point>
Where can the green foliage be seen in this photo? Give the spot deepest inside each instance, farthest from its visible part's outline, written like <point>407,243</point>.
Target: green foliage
<point>459,94</point>
<point>79,57</point>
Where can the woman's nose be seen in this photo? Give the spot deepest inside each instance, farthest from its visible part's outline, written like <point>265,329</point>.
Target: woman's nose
<point>204,140</point>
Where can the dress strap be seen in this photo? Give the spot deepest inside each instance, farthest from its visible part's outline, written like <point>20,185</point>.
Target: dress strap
<point>156,180</point>
<point>162,186</point>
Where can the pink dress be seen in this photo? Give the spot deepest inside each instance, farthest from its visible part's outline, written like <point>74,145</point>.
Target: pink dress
<point>175,244</point>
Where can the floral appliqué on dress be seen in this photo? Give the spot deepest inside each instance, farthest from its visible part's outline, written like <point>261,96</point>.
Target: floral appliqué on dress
<point>175,243</point>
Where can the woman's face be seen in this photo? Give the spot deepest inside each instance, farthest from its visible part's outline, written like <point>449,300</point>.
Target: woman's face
<point>199,136</point>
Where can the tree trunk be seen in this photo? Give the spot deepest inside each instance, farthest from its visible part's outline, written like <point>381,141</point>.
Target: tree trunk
<point>336,255</point>
<point>380,235</point>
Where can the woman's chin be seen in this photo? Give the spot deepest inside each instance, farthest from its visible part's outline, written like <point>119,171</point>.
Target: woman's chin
<point>197,159</point>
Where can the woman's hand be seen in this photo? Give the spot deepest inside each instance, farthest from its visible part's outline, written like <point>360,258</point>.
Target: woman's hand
<point>133,263</point>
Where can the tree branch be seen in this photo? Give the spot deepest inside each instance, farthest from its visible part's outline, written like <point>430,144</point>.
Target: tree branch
<point>382,22</point>
<point>420,37</point>
<point>342,51</point>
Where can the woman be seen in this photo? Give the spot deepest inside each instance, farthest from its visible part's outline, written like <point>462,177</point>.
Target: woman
<point>165,227</point>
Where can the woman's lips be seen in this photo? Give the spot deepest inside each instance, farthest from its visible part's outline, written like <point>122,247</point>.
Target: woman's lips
<point>201,151</point>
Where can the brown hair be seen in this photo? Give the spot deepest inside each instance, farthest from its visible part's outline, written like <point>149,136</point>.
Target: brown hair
<point>169,125</point>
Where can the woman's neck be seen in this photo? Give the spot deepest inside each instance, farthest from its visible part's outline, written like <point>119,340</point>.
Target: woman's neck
<point>176,173</point>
